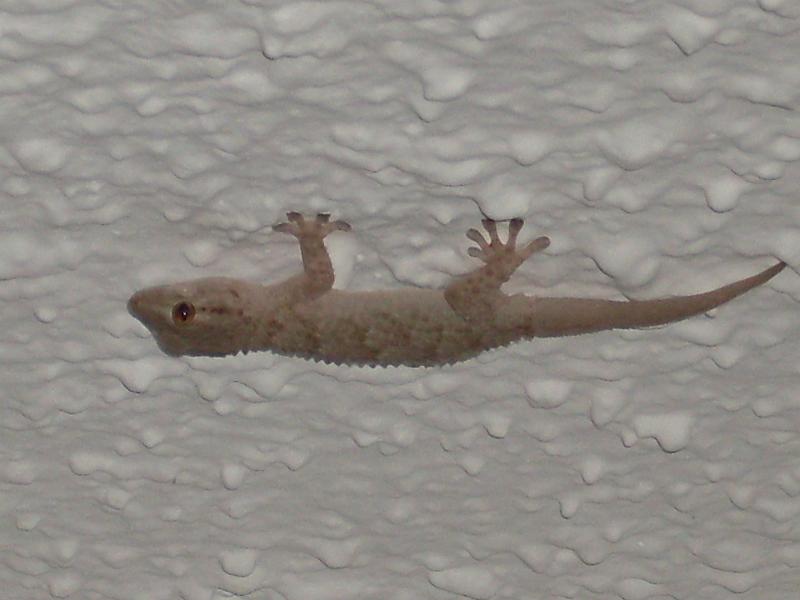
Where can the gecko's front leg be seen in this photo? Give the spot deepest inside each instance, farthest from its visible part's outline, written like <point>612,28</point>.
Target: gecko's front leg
<point>474,296</point>
<point>317,276</point>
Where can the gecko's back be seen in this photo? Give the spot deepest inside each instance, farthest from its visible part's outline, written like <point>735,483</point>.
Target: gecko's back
<point>412,327</point>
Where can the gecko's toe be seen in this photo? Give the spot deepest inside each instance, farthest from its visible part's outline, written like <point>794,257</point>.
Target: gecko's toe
<point>477,237</point>
<point>477,253</point>
<point>514,227</point>
<point>326,225</point>
<point>341,225</point>
<point>536,245</point>
<point>296,221</point>
<point>490,226</point>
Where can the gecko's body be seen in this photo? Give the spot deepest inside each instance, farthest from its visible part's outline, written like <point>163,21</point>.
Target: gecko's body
<point>304,317</point>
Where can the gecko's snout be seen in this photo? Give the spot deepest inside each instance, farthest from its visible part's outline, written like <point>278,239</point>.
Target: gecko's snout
<point>140,307</point>
<point>134,305</point>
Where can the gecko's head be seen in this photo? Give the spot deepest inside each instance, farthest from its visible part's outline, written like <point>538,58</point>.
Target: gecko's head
<point>198,317</point>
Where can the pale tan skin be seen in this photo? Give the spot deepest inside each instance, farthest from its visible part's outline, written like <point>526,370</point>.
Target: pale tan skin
<point>304,317</point>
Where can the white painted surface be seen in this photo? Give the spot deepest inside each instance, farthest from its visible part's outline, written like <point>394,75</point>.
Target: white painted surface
<point>656,143</point>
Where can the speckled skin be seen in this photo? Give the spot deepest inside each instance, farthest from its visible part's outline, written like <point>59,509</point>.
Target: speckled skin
<point>304,317</point>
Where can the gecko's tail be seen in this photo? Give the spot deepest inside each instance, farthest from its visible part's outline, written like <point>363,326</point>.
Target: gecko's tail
<point>572,316</point>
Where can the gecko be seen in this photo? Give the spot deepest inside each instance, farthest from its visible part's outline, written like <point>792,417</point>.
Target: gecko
<point>304,316</point>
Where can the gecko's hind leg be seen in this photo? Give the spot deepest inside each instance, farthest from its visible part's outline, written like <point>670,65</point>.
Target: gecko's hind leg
<point>474,295</point>
<point>318,271</point>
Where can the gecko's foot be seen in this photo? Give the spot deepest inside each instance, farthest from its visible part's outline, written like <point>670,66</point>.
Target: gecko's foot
<point>493,251</point>
<point>319,227</point>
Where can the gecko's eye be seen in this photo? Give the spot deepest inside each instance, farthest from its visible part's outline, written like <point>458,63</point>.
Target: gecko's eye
<point>182,312</point>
